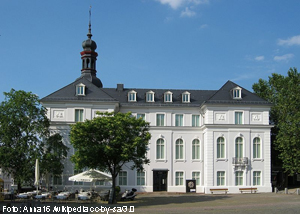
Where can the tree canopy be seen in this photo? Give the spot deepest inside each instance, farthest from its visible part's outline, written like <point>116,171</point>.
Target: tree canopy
<point>109,141</point>
<point>284,93</point>
<point>24,135</point>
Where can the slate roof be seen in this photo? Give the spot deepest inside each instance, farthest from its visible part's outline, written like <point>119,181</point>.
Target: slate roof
<point>197,97</point>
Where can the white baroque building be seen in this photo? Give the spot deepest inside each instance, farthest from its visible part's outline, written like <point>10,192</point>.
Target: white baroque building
<point>219,138</point>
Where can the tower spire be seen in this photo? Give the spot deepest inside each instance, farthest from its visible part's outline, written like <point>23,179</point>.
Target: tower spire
<point>89,35</point>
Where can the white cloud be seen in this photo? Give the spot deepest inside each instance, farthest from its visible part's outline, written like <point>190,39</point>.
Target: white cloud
<point>295,40</point>
<point>259,58</point>
<point>175,4</point>
<point>187,13</point>
<point>285,57</point>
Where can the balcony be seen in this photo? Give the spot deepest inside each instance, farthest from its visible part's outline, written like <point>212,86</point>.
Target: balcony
<point>240,161</point>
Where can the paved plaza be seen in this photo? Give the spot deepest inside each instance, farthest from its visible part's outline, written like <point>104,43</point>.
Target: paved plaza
<point>170,203</point>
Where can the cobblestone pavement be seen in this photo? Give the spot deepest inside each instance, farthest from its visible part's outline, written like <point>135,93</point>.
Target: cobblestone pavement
<point>165,203</point>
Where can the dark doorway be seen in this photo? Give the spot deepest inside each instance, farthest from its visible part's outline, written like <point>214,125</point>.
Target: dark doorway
<point>160,178</point>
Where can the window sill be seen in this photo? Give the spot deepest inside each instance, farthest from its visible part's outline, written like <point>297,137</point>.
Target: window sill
<point>258,160</point>
<point>161,160</point>
<point>222,159</point>
<point>180,160</point>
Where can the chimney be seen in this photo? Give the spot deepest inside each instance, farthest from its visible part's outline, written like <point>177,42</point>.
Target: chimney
<point>120,87</point>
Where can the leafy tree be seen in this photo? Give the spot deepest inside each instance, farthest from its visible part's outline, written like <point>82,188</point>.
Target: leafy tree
<point>284,93</point>
<point>23,127</point>
<point>108,142</point>
<point>51,161</point>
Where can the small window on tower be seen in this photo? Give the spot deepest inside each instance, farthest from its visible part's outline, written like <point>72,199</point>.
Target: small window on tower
<point>80,89</point>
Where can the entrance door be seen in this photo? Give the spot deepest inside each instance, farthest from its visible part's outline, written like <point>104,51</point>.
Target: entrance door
<point>160,179</point>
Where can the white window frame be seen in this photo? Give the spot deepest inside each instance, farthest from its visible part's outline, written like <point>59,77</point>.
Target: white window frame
<point>239,147</point>
<point>179,149</point>
<point>168,97</point>
<point>79,110</point>
<point>239,178</point>
<point>121,177</point>
<point>221,148</point>
<point>237,93</point>
<point>197,177</point>
<point>256,148</point>
<point>196,149</point>
<point>238,117</point>
<point>80,89</point>
<point>150,97</point>
<point>161,123</point>
<point>186,98</point>
<point>178,119</point>
<point>195,120</point>
<point>255,178</point>
<point>179,178</point>
<point>140,178</point>
<point>161,146</point>
<point>132,96</point>
<point>221,178</point>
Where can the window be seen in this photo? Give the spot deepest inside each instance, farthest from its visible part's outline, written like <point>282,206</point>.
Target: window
<point>140,178</point>
<point>196,149</point>
<point>160,149</point>
<point>179,120</point>
<point>160,120</point>
<point>239,178</point>
<point>57,180</point>
<point>220,178</point>
<point>256,178</point>
<point>78,115</point>
<point>237,93</point>
<point>186,97</point>
<point>239,148</point>
<point>140,116</point>
<point>221,147</point>
<point>256,148</point>
<point>238,117</point>
<point>196,176</point>
<point>195,120</point>
<point>150,96</point>
<point>132,96</point>
<point>179,149</point>
<point>80,89</point>
<point>179,178</point>
<point>122,178</point>
<point>168,96</point>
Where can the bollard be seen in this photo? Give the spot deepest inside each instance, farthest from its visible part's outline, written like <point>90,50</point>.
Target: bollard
<point>276,190</point>
<point>298,192</point>
<point>286,191</point>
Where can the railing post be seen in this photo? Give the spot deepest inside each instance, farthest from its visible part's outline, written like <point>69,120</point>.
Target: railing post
<point>286,191</point>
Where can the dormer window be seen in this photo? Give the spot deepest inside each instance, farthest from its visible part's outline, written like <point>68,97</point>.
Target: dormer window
<point>186,97</point>
<point>168,97</point>
<point>80,90</point>
<point>132,96</point>
<point>150,96</point>
<point>237,93</point>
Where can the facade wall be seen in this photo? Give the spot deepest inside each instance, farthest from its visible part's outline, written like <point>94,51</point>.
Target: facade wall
<point>215,122</point>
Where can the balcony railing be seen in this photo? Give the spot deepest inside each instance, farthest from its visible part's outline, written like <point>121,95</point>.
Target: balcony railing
<point>240,161</point>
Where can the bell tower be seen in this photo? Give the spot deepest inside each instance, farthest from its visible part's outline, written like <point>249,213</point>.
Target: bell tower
<point>89,58</point>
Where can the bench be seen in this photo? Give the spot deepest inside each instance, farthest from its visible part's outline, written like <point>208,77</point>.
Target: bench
<point>252,189</point>
<point>219,190</point>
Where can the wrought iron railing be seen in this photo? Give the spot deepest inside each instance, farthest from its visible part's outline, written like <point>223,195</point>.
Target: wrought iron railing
<point>240,161</point>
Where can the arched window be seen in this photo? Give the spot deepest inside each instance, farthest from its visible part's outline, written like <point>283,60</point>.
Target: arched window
<point>239,147</point>
<point>179,149</point>
<point>196,149</point>
<point>256,148</point>
<point>160,149</point>
<point>221,147</point>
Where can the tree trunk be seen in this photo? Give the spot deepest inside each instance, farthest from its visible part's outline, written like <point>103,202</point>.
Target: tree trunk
<point>112,195</point>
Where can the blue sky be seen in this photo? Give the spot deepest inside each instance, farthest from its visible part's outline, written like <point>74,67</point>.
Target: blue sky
<point>166,44</point>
